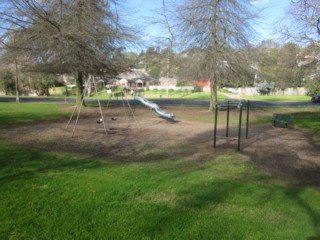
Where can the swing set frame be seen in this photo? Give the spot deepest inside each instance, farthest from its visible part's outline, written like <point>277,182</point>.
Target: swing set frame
<point>78,106</point>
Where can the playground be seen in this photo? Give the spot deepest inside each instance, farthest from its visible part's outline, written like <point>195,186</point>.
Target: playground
<point>149,177</point>
<point>286,152</point>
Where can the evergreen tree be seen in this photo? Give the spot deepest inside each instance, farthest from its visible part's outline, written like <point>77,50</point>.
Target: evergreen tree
<point>65,36</point>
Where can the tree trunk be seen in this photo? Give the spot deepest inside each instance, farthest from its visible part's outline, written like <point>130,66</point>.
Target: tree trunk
<point>79,86</point>
<point>16,76</point>
<point>213,56</point>
<point>213,95</point>
<point>89,86</point>
<point>79,82</point>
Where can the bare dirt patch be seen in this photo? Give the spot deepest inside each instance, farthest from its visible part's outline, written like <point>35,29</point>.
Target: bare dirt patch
<point>291,153</point>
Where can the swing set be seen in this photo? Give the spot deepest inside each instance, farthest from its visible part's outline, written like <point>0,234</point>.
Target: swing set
<point>78,107</point>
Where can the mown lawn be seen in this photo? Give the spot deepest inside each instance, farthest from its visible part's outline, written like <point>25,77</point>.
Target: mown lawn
<point>154,94</point>
<point>56,195</point>
<point>12,112</point>
<point>304,117</point>
<point>163,95</point>
<point>285,98</point>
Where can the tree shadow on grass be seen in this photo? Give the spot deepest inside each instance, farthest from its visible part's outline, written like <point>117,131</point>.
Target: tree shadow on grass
<point>287,154</point>
<point>314,214</point>
<point>182,213</point>
<point>292,155</point>
<point>18,162</point>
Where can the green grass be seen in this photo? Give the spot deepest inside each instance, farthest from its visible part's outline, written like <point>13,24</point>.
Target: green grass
<point>57,91</point>
<point>152,94</point>
<point>56,195</point>
<point>12,112</point>
<point>297,98</point>
<point>304,117</point>
<point>179,94</point>
<point>308,120</point>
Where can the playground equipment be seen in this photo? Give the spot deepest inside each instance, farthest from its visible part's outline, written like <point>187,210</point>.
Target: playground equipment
<point>155,107</point>
<point>78,106</point>
<point>125,103</point>
<point>91,81</point>
<point>228,105</point>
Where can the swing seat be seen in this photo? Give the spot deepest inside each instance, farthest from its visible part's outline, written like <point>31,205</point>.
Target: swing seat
<point>99,121</point>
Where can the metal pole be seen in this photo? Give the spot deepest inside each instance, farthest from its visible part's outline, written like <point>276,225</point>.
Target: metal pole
<point>215,126</point>
<point>77,119</point>
<point>96,91</point>
<point>228,110</point>
<point>239,130</point>
<point>247,124</point>
<point>131,111</point>
<point>76,105</point>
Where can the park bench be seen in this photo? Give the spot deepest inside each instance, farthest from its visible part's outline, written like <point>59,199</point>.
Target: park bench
<point>286,119</point>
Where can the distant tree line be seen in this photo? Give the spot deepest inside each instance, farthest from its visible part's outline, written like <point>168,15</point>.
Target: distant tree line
<point>270,63</point>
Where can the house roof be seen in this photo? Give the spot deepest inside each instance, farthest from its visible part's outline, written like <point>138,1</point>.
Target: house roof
<point>134,74</point>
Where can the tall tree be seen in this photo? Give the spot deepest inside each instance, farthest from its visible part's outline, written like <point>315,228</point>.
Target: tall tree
<point>170,37</point>
<point>219,28</point>
<point>302,22</point>
<point>288,71</point>
<point>66,36</point>
<point>266,59</point>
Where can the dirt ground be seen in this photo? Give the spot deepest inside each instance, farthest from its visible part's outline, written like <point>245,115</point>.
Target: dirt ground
<point>291,153</point>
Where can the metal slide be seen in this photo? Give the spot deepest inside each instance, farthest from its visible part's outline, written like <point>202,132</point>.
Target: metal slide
<point>154,107</point>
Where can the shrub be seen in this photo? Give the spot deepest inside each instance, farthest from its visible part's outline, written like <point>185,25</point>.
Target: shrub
<point>264,87</point>
<point>7,83</point>
<point>313,85</point>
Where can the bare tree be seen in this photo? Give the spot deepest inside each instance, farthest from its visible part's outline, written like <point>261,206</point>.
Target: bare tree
<point>302,25</point>
<point>66,36</point>
<point>170,38</point>
<point>220,28</point>
<point>302,22</point>
<point>166,38</point>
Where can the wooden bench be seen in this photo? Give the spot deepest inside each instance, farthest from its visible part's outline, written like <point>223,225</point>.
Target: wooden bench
<point>286,119</point>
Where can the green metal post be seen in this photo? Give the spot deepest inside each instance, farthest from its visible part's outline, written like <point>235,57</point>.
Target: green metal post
<point>228,115</point>
<point>239,130</point>
<point>215,126</point>
<point>247,125</point>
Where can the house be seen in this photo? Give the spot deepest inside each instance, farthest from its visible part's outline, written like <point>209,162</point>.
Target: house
<point>123,82</point>
<point>303,60</point>
<point>168,82</point>
<point>134,78</point>
<point>203,84</point>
